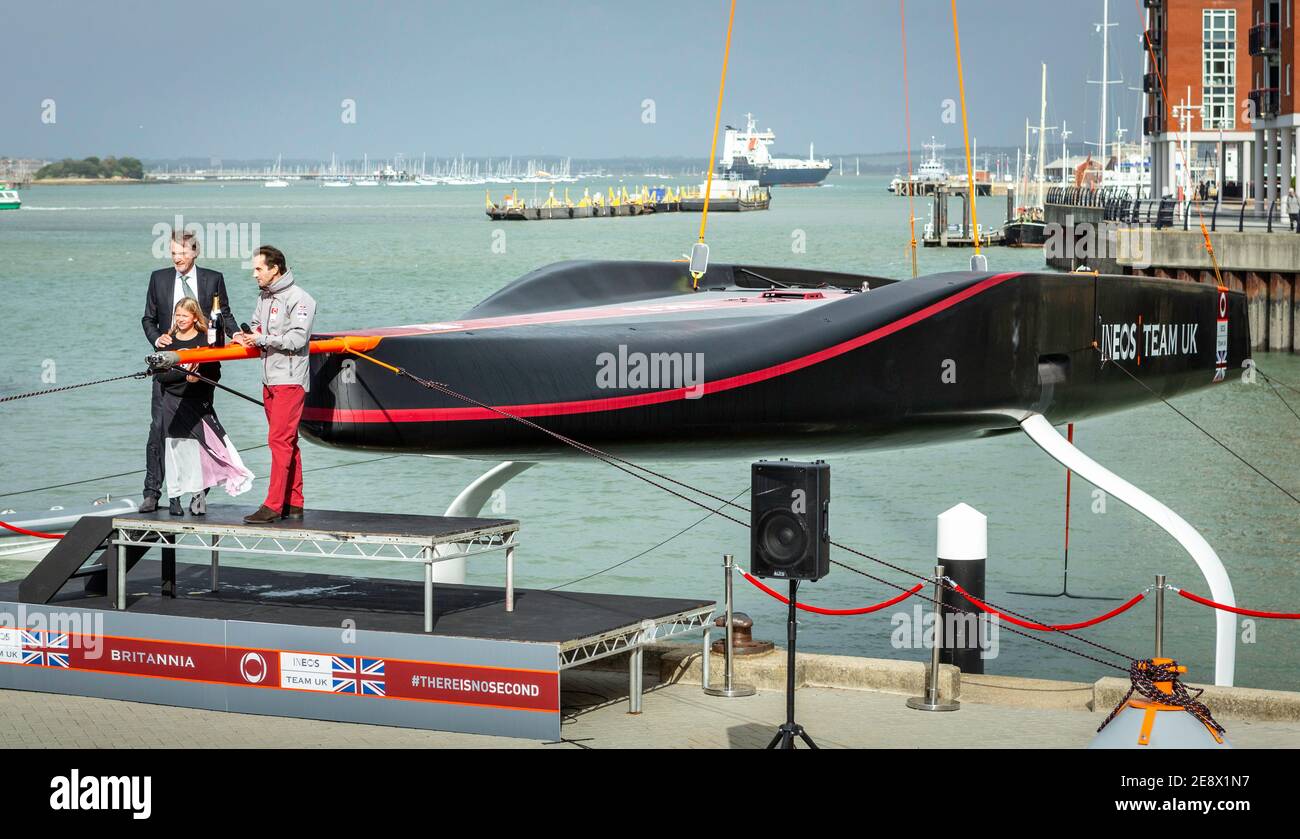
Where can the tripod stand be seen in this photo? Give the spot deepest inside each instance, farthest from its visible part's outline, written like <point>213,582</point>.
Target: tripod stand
<point>784,738</point>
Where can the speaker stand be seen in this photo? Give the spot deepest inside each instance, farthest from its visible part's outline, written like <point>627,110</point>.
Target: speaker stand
<point>790,729</point>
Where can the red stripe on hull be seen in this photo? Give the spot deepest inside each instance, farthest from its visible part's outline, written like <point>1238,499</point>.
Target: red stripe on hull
<point>618,403</point>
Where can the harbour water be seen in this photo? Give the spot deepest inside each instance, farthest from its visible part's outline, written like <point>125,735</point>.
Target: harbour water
<point>73,268</point>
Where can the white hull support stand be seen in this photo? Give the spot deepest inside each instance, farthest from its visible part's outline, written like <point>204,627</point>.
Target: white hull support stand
<point>1216,576</point>
<point>470,503</point>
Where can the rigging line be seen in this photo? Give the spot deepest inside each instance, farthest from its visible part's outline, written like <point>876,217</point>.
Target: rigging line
<point>959,610</point>
<point>648,550</point>
<point>965,131</point>
<point>17,396</point>
<point>100,478</point>
<point>907,122</point>
<point>717,120</point>
<point>623,466</point>
<point>332,465</point>
<point>1198,427</point>
<point>352,463</point>
<point>1279,395</point>
<point>1275,381</point>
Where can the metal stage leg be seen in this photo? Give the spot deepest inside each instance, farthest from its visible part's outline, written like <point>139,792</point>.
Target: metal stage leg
<point>1216,576</point>
<point>510,578</point>
<point>216,560</point>
<point>636,666</point>
<point>470,503</point>
<point>168,567</point>
<point>119,596</point>
<point>428,596</point>
<point>706,655</point>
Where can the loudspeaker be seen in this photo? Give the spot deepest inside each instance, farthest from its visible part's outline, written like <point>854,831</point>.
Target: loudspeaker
<point>789,535</point>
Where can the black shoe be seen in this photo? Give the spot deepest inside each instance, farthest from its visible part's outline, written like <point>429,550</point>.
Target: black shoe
<point>293,513</point>
<point>174,507</point>
<point>264,515</point>
<point>199,504</point>
<point>149,504</point>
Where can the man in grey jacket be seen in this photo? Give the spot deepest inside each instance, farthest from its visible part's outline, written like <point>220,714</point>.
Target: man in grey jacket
<point>281,329</point>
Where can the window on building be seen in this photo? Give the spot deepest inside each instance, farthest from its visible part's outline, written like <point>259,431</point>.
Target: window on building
<point>1219,69</point>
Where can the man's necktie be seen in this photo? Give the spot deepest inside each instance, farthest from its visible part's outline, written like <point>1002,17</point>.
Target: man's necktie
<point>189,289</point>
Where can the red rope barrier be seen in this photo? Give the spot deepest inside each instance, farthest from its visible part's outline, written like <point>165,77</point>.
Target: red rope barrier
<point>1254,613</point>
<point>1042,627</point>
<point>820,611</point>
<point>30,532</point>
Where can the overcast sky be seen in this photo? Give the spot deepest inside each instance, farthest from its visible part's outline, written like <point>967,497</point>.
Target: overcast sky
<point>240,80</point>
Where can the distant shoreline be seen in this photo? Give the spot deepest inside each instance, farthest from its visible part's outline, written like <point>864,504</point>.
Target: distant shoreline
<point>84,181</point>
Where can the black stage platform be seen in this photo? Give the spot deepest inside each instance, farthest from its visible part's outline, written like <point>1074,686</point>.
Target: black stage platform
<point>331,521</point>
<point>303,599</point>
<point>478,659</point>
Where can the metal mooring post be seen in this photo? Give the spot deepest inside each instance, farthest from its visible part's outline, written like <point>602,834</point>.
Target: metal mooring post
<point>729,687</point>
<point>1160,615</point>
<point>931,702</point>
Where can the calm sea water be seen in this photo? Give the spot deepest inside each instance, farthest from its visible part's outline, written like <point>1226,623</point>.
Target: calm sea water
<point>73,268</point>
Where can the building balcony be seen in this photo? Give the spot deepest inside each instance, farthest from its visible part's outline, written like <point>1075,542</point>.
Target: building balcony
<point>1153,124</point>
<point>1155,38</point>
<point>1265,102</point>
<point>1265,39</point>
<point>1153,4</point>
<point>1151,83</point>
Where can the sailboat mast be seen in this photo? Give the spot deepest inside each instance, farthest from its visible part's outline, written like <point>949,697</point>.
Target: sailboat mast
<point>1105,78</point>
<point>1042,136</point>
<point>1024,172</point>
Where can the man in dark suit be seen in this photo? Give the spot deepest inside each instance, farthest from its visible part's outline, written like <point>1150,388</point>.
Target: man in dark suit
<point>167,287</point>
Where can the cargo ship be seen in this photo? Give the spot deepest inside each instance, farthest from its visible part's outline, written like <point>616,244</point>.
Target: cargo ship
<point>745,156</point>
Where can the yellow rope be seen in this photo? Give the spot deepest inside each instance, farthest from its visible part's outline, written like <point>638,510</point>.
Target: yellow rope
<point>388,367</point>
<point>970,172</point>
<point>717,120</point>
<point>907,121</point>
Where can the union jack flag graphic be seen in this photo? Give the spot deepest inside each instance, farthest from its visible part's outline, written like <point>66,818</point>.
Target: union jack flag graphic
<point>48,649</point>
<point>358,676</point>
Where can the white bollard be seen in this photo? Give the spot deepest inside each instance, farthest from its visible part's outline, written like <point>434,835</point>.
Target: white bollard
<point>963,549</point>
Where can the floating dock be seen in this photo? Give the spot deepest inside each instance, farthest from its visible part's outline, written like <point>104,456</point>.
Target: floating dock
<point>475,659</point>
<point>725,197</point>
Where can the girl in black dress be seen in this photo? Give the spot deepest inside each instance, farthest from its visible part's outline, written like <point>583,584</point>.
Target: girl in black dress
<point>197,453</point>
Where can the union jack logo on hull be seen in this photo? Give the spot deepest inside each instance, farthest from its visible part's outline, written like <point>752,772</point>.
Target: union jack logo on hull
<point>47,649</point>
<point>358,676</point>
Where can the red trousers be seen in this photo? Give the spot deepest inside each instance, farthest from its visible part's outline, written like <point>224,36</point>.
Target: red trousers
<point>283,412</point>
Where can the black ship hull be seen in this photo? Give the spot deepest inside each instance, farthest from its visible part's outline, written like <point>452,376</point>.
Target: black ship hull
<point>1024,234</point>
<point>777,176</point>
<point>625,356</point>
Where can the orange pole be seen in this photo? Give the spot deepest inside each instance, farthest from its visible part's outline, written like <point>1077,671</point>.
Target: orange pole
<point>235,351</point>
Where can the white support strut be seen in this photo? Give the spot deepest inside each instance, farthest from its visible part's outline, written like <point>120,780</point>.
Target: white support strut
<point>1216,576</point>
<point>470,502</point>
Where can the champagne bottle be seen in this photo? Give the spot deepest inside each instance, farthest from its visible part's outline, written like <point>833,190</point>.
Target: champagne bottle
<point>215,332</point>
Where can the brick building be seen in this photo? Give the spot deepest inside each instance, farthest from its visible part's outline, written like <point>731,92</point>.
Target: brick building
<point>1201,50</point>
<point>1273,96</point>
